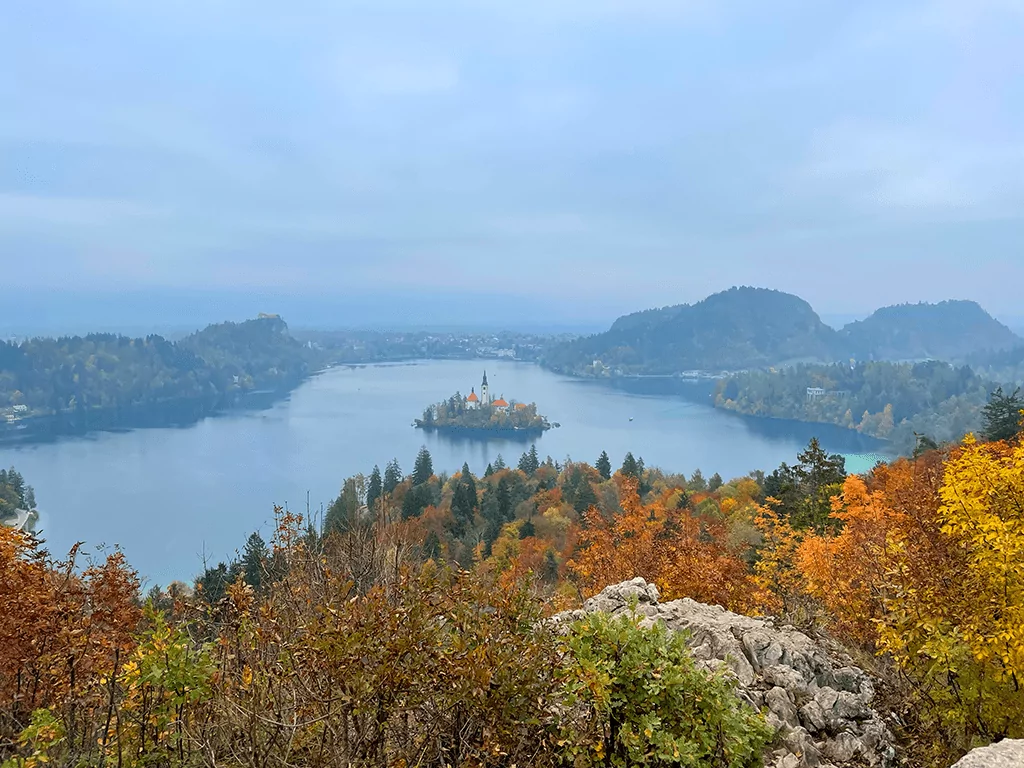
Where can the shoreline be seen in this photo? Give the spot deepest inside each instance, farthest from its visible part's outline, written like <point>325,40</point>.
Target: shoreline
<point>184,412</point>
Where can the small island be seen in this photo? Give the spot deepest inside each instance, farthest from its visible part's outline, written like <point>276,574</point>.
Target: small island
<point>478,414</point>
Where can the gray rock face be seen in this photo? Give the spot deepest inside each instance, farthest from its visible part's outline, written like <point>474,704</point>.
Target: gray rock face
<point>1008,753</point>
<point>821,707</point>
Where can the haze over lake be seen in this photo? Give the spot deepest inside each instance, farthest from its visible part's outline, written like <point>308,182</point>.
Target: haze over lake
<point>166,495</point>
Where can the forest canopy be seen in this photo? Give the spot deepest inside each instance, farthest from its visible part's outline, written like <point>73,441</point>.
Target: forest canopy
<point>46,376</point>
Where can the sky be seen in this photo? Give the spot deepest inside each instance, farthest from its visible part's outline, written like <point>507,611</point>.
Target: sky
<point>561,161</point>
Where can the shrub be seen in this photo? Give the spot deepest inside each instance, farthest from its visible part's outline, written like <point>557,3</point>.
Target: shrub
<point>638,699</point>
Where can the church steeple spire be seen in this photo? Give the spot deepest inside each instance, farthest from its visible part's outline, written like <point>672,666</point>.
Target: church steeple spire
<point>484,396</point>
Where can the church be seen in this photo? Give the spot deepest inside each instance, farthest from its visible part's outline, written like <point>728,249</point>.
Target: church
<point>484,398</point>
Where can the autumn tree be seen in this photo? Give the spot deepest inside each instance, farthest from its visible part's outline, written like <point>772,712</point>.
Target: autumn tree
<point>684,554</point>
<point>926,566</point>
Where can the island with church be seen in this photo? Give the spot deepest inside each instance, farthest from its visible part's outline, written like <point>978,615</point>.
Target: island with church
<point>484,414</point>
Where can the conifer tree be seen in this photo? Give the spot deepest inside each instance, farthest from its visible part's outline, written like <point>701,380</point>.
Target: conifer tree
<point>529,463</point>
<point>374,490</point>
<point>423,470</point>
<point>604,466</point>
<point>504,494</point>
<point>1002,416</point>
<point>254,559</point>
<point>697,482</point>
<point>630,467</point>
<point>392,476</point>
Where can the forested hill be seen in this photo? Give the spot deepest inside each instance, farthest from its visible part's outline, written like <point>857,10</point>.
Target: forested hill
<point>106,372</point>
<point>735,329</point>
<point>949,330</point>
<point>745,328</point>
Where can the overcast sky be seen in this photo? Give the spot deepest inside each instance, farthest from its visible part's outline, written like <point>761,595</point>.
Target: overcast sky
<point>595,156</point>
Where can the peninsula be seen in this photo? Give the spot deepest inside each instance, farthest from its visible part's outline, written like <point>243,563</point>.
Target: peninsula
<point>483,414</point>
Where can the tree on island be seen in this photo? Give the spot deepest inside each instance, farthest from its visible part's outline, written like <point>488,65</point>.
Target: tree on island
<point>456,414</point>
<point>604,466</point>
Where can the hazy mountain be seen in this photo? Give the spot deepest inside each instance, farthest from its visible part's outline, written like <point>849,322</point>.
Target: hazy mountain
<point>949,330</point>
<point>738,328</point>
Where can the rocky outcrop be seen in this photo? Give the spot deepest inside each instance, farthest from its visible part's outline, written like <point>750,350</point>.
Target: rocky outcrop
<point>1006,754</point>
<point>819,702</point>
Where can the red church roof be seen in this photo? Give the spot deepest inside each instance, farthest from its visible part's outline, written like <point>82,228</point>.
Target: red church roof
<point>472,398</point>
<point>500,403</point>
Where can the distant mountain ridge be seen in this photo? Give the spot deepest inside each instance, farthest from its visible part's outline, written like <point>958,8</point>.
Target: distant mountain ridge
<point>747,327</point>
<point>949,330</point>
<point>739,328</point>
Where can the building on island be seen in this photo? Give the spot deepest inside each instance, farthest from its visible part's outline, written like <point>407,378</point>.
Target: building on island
<point>484,398</point>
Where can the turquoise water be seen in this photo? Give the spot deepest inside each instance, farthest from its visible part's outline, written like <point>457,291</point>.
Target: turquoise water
<point>860,463</point>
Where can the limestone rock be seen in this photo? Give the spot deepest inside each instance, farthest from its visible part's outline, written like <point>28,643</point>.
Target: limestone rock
<point>1008,753</point>
<point>820,705</point>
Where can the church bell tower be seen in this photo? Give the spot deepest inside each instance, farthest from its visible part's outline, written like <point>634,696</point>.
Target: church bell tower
<point>485,397</point>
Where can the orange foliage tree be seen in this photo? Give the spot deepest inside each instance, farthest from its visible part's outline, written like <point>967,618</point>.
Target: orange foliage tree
<point>60,630</point>
<point>682,553</point>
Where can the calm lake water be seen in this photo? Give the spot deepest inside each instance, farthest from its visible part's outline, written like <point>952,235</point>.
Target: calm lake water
<point>167,496</point>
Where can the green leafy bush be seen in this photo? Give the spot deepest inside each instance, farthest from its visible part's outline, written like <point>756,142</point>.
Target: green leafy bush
<point>638,699</point>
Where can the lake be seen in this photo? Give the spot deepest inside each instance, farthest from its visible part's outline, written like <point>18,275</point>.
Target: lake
<point>170,496</point>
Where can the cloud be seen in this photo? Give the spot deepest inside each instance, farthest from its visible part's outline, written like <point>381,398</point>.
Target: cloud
<point>880,166</point>
<point>18,211</point>
<point>395,74</point>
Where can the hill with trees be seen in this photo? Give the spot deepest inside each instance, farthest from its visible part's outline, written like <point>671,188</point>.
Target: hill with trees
<point>892,401</point>
<point>949,330</point>
<point>736,329</point>
<point>102,380</point>
<point>745,328</point>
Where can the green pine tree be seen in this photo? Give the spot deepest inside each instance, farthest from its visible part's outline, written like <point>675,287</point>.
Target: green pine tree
<point>1002,416</point>
<point>392,476</point>
<point>423,470</point>
<point>604,466</point>
<point>254,560</point>
<point>630,467</point>
<point>374,490</point>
